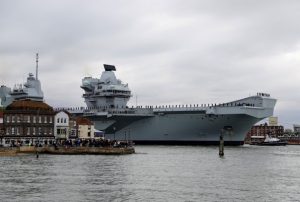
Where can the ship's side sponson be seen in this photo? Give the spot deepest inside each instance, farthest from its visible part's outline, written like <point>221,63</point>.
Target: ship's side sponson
<point>259,106</point>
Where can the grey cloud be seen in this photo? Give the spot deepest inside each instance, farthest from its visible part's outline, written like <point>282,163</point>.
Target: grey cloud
<point>176,52</point>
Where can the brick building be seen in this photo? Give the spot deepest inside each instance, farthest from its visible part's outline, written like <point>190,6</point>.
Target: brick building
<point>28,122</point>
<point>263,130</point>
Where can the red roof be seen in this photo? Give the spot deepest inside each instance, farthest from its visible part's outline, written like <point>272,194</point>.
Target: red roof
<point>83,121</point>
<point>29,105</point>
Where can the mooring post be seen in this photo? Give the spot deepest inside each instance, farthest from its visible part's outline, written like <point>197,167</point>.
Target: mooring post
<point>36,152</point>
<point>221,146</point>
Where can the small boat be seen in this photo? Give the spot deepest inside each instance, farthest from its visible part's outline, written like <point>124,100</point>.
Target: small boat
<point>272,141</point>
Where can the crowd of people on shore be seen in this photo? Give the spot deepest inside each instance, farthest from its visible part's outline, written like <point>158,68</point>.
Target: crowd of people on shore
<point>93,143</point>
<point>73,143</point>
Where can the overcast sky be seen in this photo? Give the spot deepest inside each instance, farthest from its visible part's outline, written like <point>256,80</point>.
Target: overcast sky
<point>169,52</point>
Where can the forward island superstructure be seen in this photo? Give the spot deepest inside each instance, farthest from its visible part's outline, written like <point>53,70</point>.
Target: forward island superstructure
<point>29,90</point>
<point>107,98</point>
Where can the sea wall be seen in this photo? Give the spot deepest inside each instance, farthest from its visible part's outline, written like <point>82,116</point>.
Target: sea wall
<point>4,151</point>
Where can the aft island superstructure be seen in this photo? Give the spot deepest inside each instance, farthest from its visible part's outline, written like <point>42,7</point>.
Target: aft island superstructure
<point>107,98</point>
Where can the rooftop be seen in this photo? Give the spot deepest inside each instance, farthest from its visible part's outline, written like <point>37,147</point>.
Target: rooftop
<point>29,105</point>
<point>83,121</point>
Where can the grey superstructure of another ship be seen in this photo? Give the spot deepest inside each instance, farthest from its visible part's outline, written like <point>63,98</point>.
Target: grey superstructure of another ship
<point>29,90</point>
<point>107,98</point>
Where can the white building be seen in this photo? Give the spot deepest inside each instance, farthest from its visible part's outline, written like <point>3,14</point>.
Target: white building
<point>85,128</point>
<point>61,125</point>
<point>1,124</point>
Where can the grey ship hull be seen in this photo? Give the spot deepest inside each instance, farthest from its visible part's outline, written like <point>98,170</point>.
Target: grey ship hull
<point>183,125</point>
<point>183,128</point>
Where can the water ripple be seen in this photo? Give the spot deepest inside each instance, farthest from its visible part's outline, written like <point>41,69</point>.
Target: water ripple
<point>156,173</point>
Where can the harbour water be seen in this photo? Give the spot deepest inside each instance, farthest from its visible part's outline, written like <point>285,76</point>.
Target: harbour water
<point>156,173</point>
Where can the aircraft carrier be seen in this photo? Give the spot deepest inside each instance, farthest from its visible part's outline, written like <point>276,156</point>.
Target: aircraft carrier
<point>106,99</point>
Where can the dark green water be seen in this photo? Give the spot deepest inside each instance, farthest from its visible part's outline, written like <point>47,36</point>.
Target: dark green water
<point>156,173</point>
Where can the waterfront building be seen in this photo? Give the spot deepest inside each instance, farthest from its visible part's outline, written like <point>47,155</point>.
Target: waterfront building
<point>292,137</point>
<point>28,122</point>
<point>296,128</point>
<point>1,123</point>
<point>263,130</point>
<point>61,125</point>
<point>273,121</point>
<point>85,128</point>
<point>72,128</point>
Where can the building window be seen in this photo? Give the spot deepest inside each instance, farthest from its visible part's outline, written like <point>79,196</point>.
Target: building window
<point>61,120</point>
<point>7,119</point>
<point>33,130</point>
<point>28,119</point>
<point>50,119</point>
<point>65,120</point>
<point>34,119</point>
<point>28,130</point>
<point>89,134</point>
<point>12,130</point>
<point>40,119</point>
<point>58,131</point>
<point>58,120</point>
<point>12,118</point>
